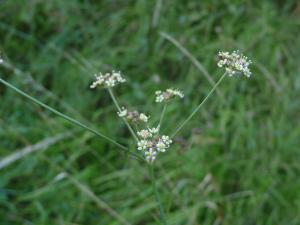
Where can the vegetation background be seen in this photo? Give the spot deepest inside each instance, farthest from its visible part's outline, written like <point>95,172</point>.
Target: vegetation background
<point>237,162</point>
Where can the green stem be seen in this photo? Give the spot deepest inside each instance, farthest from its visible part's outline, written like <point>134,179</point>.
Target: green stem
<point>119,109</point>
<point>157,197</point>
<point>61,114</point>
<point>199,106</point>
<point>162,115</point>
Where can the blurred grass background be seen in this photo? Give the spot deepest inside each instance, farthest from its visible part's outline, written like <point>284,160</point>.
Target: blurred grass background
<point>237,162</point>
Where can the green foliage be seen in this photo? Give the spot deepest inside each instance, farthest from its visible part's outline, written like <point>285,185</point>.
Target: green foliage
<point>236,162</point>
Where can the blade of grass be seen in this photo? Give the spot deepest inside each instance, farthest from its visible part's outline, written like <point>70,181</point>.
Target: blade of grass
<point>193,59</point>
<point>99,202</point>
<point>87,191</point>
<point>41,145</point>
<point>156,13</point>
<point>269,76</point>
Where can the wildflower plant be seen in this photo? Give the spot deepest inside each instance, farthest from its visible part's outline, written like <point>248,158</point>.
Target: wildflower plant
<point>108,80</point>
<point>167,95</point>
<point>151,143</point>
<point>133,116</point>
<point>234,63</point>
<point>148,139</point>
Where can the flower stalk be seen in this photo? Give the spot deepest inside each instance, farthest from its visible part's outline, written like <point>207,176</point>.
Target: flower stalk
<point>69,119</point>
<point>199,106</point>
<point>162,116</point>
<point>111,93</point>
<point>148,139</point>
<point>162,216</point>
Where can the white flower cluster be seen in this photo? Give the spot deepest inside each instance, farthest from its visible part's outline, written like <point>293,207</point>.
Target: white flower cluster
<point>108,79</point>
<point>164,96</point>
<point>152,143</point>
<point>234,63</point>
<point>133,116</point>
<point>148,133</point>
<point>1,60</point>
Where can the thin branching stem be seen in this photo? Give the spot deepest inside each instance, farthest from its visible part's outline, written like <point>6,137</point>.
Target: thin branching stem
<point>61,114</point>
<point>111,93</point>
<point>157,196</point>
<point>162,116</point>
<point>199,106</point>
<point>71,120</point>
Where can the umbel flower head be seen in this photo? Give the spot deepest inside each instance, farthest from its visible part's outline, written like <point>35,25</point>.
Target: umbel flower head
<point>133,116</point>
<point>234,63</point>
<point>108,79</point>
<point>164,96</point>
<point>152,143</point>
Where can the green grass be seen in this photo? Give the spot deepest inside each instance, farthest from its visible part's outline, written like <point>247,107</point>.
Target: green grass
<point>236,162</point>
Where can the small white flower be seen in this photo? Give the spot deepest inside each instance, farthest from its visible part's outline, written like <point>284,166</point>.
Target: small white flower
<point>161,147</point>
<point>154,130</point>
<point>159,98</point>
<point>1,60</point>
<point>176,92</point>
<point>133,116</point>
<point>123,112</point>
<point>144,134</point>
<point>144,118</point>
<point>150,155</point>
<point>99,81</point>
<point>108,79</point>
<point>110,82</point>
<point>142,145</point>
<point>152,144</point>
<point>234,63</point>
<point>166,139</point>
<point>118,77</point>
<point>163,96</point>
